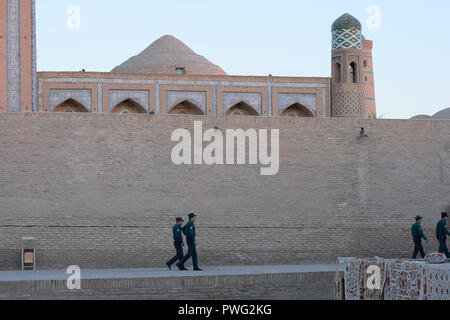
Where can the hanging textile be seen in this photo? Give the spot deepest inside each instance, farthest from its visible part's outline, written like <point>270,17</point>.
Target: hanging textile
<point>399,280</point>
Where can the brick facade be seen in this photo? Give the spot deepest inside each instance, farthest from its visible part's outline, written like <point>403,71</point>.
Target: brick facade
<point>369,79</point>
<point>17,56</point>
<point>169,70</point>
<point>212,94</point>
<point>3,56</point>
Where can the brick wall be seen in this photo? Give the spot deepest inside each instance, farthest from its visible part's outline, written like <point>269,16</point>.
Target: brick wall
<point>293,286</point>
<point>101,191</point>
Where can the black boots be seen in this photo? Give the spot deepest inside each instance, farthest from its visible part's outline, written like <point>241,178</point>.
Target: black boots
<point>181,268</point>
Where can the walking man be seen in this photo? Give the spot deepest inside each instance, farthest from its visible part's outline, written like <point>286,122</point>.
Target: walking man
<point>417,234</point>
<point>189,231</point>
<point>442,233</point>
<point>177,242</point>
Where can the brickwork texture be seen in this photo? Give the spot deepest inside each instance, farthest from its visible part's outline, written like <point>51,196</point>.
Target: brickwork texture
<point>100,191</point>
<point>295,286</point>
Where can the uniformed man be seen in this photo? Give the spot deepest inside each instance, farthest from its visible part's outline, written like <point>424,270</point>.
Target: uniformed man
<point>417,234</point>
<point>442,233</point>
<point>178,242</point>
<point>189,231</point>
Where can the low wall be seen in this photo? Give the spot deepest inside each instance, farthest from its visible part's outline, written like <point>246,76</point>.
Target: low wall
<point>100,191</point>
<point>293,286</point>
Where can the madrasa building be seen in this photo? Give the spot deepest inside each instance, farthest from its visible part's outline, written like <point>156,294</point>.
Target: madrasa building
<point>86,176</point>
<point>170,78</point>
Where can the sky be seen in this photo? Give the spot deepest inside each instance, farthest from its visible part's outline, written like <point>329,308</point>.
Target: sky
<point>261,37</point>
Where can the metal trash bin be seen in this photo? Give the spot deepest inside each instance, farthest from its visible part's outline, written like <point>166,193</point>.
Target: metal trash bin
<point>28,253</point>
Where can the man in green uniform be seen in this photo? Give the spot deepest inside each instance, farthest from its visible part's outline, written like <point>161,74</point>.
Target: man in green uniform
<point>442,233</point>
<point>417,234</point>
<point>178,243</point>
<point>189,231</point>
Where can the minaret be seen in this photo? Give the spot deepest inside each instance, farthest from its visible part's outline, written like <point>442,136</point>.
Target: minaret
<point>369,79</point>
<point>348,98</point>
<point>17,56</point>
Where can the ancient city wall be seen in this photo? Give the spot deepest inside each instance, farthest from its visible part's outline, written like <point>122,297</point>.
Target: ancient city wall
<point>101,190</point>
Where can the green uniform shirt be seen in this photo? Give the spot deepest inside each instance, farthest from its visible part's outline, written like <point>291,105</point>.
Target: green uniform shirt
<point>441,230</point>
<point>177,235</point>
<point>417,231</point>
<point>189,231</point>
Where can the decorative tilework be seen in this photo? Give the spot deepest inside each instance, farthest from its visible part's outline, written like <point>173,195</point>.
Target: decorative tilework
<point>325,101</point>
<point>33,54</point>
<point>59,96</point>
<point>205,83</point>
<point>13,44</point>
<point>346,21</point>
<point>187,82</point>
<point>285,100</point>
<point>139,96</point>
<point>100,97</point>
<point>348,103</point>
<point>253,99</point>
<point>215,100</point>
<point>270,101</point>
<point>347,38</point>
<point>176,97</point>
<point>158,102</point>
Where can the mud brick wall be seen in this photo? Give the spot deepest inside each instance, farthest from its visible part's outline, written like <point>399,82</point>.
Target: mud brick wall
<point>294,286</point>
<point>101,191</point>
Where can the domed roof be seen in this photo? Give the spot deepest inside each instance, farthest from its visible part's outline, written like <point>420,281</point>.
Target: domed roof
<point>442,115</point>
<point>345,22</point>
<point>421,117</point>
<point>167,55</point>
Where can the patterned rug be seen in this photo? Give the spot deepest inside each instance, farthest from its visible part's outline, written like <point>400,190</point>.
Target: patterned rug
<point>399,279</point>
<point>437,282</point>
<point>404,281</point>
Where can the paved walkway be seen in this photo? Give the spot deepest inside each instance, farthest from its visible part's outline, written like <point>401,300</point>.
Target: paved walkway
<point>9,276</point>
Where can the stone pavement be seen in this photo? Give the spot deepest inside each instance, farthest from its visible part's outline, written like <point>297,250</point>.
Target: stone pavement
<point>45,275</point>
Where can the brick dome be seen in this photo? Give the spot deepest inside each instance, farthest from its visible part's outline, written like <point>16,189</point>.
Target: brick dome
<point>168,55</point>
<point>421,117</point>
<point>442,115</point>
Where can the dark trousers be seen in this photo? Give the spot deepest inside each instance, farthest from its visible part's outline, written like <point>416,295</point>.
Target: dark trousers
<point>179,255</point>
<point>443,247</point>
<point>192,252</point>
<point>418,247</point>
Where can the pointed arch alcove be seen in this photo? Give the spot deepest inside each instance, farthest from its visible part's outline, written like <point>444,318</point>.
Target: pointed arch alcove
<point>70,105</point>
<point>242,109</point>
<point>128,106</point>
<point>297,110</point>
<point>186,107</point>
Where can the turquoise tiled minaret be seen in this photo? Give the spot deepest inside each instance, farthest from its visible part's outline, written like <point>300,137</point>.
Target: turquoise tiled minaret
<point>347,33</point>
<point>347,65</point>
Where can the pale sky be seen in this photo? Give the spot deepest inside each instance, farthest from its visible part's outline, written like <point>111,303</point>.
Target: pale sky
<point>261,37</point>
